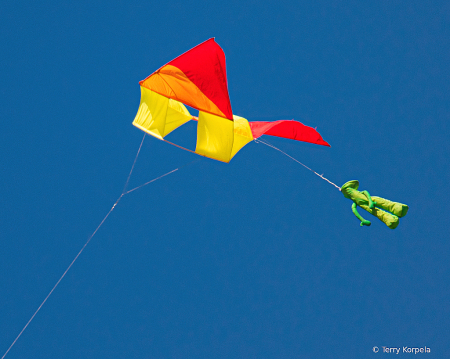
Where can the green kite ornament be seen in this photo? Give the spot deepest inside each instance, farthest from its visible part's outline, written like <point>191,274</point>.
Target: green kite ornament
<point>386,211</point>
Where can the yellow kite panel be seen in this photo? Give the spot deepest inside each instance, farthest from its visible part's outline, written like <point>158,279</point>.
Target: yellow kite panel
<point>242,134</point>
<point>215,137</point>
<point>158,115</point>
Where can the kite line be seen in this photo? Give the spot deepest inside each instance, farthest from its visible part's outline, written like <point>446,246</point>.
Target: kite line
<point>124,192</point>
<point>292,158</point>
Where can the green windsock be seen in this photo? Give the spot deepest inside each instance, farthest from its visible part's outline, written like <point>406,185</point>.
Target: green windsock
<point>386,211</point>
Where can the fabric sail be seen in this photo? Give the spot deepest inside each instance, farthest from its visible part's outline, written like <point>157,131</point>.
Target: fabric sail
<point>291,129</point>
<point>198,79</point>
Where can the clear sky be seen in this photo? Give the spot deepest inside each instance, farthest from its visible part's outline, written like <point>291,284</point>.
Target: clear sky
<point>258,258</point>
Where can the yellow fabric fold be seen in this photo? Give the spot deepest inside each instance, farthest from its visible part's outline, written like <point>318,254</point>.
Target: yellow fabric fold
<point>158,115</point>
<point>242,134</point>
<point>217,137</point>
<point>220,138</point>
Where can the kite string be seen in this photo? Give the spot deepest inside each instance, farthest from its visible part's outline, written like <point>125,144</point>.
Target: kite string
<point>91,236</point>
<point>64,274</point>
<point>157,178</point>
<point>132,167</point>
<point>76,257</point>
<point>292,158</point>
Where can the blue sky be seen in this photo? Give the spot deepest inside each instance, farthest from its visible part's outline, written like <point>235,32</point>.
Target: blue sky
<point>258,258</point>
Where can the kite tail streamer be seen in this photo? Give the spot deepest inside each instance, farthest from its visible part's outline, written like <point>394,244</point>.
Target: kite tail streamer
<point>292,158</point>
<point>124,192</point>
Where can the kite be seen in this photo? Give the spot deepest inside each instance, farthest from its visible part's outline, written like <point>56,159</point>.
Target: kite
<point>198,79</point>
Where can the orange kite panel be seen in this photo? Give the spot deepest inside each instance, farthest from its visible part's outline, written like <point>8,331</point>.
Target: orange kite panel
<point>171,82</point>
<point>203,69</point>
